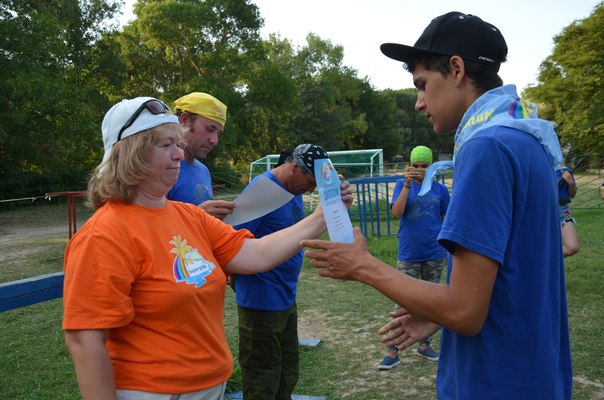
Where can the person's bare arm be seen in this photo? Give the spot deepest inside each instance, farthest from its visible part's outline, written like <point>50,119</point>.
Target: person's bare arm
<point>259,255</point>
<point>398,208</point>
<point>461,306</point>
<point>92,363</point>
<point>572,186</point>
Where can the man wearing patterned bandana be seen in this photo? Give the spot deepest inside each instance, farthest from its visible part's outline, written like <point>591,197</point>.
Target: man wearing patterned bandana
<point>268,319</point>
<point>503,309</point>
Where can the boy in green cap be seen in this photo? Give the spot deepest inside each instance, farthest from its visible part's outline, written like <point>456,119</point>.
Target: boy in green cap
<point>421,217</point>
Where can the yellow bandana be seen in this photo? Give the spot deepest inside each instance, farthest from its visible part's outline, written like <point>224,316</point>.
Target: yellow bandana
<point>203,104</point>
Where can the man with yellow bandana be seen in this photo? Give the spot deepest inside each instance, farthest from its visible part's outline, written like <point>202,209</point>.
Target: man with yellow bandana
<point>204,117</point>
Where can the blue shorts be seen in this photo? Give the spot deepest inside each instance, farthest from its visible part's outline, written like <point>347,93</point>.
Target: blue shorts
<point>565,215</point>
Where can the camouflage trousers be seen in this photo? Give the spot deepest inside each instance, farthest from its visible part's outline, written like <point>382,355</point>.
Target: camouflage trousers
<point>268,353</point>
<point>431,271</point>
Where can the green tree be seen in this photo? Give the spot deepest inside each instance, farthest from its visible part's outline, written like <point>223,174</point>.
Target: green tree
<point>330,95</point>
<point>570,88</point>
<point>271,101</point>
<point>50,121</point>
<point>296,95</point>
<point>414,128</point>
<point>175,47</point>
<point>277,95</point>
<point>379,108</point>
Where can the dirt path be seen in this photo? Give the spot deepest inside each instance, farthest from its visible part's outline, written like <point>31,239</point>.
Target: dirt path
<point>20,233</point>
<point>20,243</point>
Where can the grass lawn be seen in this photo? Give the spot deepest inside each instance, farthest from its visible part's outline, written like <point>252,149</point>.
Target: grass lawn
<point>344,315</point>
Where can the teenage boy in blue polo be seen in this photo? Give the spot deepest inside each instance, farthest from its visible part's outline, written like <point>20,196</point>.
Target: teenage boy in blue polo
<point>503,308</point>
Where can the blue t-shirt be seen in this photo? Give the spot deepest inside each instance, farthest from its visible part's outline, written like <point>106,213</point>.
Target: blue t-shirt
<point>504,205</point>
<point>563,195</point>
<point>273,290</point>
<point>421,222</point>
<point>194,184</point>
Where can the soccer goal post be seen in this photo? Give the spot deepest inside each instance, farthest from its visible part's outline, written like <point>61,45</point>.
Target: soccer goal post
<point>350,163</point>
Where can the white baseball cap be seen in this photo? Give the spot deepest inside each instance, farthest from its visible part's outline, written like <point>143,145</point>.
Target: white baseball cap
<point>131,116</point>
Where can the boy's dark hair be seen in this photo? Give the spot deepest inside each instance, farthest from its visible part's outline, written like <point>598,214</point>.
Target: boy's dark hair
<point>483,76</point>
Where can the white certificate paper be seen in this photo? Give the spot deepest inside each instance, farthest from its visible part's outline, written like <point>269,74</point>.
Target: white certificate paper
<point>336,215</point>
<point>258,199</point>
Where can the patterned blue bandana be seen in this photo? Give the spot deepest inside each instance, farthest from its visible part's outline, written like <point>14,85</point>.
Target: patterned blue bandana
<point>499,107</point>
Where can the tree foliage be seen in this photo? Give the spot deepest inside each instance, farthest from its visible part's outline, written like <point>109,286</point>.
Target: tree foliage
<point>49,122</point>
<point>271,100</point>
<point>176,47</point>
<point>570,89</point>
<point>414,128</point>
<point>64,64</point>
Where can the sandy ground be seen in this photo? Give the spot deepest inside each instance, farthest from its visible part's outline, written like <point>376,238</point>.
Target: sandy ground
<point>312,324</point>
<point>14,240</point>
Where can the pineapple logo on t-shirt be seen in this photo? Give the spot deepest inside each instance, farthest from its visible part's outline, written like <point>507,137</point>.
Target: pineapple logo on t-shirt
<point>189,265</point>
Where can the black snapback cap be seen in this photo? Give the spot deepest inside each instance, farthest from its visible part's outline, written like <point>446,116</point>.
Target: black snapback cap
<point>455,33</point>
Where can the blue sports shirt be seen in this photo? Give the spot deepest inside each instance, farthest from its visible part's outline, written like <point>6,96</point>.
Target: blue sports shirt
<point>504,205</point>
<point>273,290</point>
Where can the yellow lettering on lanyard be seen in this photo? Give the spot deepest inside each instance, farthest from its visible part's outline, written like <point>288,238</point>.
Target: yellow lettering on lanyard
<point>480,118</point>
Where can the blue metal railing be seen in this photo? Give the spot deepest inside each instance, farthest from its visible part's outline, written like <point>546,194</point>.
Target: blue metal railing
<point>372,195</point>
<point>30,291</point>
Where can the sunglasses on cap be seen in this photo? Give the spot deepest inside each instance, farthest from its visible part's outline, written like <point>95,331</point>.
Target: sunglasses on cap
<point>154,106</point>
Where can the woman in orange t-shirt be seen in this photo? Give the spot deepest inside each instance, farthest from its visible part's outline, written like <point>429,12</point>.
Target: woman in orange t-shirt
<point>145,277</point>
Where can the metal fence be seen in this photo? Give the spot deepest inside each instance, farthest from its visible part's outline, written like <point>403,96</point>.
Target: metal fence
<point>588,170</point>
<point>371,209</point>
<point>371,212</point>
<point>373,195</point>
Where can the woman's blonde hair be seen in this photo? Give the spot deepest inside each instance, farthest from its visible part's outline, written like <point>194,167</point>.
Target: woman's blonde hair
<point>118,178</point>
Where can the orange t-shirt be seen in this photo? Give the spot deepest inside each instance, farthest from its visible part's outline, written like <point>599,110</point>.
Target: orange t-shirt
<point>154,278</point>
